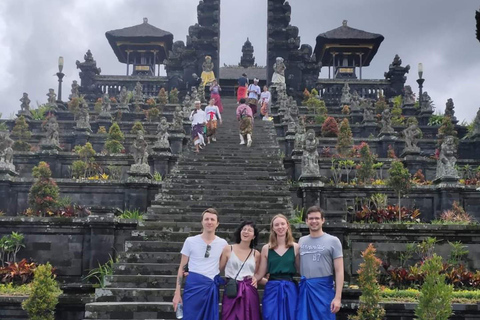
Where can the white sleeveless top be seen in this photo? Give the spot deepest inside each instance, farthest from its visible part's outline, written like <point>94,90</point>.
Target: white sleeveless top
<point>234,264</point>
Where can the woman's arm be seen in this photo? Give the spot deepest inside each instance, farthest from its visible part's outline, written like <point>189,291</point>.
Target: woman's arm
<point>224,257</point>
<point>297,256</point>
<point>262,269</point>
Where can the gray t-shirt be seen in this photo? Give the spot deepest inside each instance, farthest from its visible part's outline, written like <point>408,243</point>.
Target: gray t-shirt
<point>317,254</point>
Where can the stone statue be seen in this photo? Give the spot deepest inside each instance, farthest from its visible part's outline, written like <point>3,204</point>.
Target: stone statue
<point>310,166</point>
<point>194,96</point>
<point>411,134</point>
<point>123,97</point>
<point>50,126</point>
<point>447,160</point>
<point>355,104</point>
<point>476,126</point>
<point>278,71</point>
<point>162,134</point>
<point>408,96</point>
<point>83,121</point>
<point>52,98</point>
<point>88,57</point>
<point>346,98</point>
<point>25,106</point>
<point>138,93</point>
<point>74,91</point>
<point>177,119</point>
<point>6,151</point>
<point>300,134</point>
<point>427,103</point>
<point>207,74</point>
<point>140,154</point>
<point>368,115</point>
<point>386,122</point>
<point>450,110</point>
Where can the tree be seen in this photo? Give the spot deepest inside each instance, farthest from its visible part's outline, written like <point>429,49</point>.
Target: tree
<point>173,95</point>
<point>369,308</point>
<point>447,129</point>
<point>162,97</point>
<point>345,140</point>
<point>44,193</point>
<point>115,139</point>
<point>41,303</point>
<point>21,133</point>
<point>399,181</point>
<point>435,302</point>
<point>137,126</point>
<point>330,127</point>
<point>365,171</point>
<point>86,153</point>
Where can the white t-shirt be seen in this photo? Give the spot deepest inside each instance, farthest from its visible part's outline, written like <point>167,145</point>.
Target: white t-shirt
<point>199,117</point>
<point>194,248</point>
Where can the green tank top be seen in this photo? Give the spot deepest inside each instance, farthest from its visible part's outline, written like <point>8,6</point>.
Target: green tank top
<point>281,267</point>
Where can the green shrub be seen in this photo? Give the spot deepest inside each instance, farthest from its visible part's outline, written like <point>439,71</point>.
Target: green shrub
<point>132,214</point>
<point>41,303</point>
<point>100,274</point>
<point>3,126</point>
<point>137,126</point>
<point>114,140</point>
<point>21,133</point>
<point>44,193</point>
<point>10,245</point>
<point>369,308</point>
<point>399,181</point>
<point>173,95</point>
<point>380,105</point>
<point>162,97</point>
<point>435,120</point>
<point>80,168</point>
<point>157,176</point>
<point>345,140</point>
<point>365,171</point>
<point>40,113</point>
<point>435,301</point>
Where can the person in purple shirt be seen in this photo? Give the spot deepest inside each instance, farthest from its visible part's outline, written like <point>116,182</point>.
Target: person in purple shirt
<point>245,118</point>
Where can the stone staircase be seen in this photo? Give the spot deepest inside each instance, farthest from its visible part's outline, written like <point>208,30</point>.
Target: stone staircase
<point>240,182</point>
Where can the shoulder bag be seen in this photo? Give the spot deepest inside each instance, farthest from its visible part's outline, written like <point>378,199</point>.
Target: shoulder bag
<point>231,288</point>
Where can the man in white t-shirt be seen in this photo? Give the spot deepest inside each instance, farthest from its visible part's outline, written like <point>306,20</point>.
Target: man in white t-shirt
<point>202,253</point>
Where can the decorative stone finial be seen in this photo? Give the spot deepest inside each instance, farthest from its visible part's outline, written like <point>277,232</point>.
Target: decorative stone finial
<point>344,23</point>
<point>145,20</point>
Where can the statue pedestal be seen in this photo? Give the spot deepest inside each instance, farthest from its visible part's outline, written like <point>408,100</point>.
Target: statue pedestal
<point>105,116</point>
<point>447,181</point>
<point>49,147</point>
<point>81,136</point>
<point>289,142</point>
<point>413,161</point>
<point>26,114</point>
<point>412,153</point>
<point>424,117</point>
<point>357,115</point>
<point>163,160</point>
<point>123,108</point>
<point>369,128</point>
<point>384,141</point>
<point>176,138</point>
<point>187,127</point>
<point>139,173</point>
<point>310,188</point>
<point>7,171</point>
<point>297,163</point>
<point>409,110</point>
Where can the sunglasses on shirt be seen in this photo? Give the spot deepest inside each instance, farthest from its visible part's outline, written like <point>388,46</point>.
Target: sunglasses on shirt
<point>207,252</point>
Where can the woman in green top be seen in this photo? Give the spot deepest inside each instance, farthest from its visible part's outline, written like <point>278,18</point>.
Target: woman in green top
<point>279,258</point>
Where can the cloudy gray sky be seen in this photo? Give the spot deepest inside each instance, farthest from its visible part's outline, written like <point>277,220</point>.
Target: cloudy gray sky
<point>438,33</point>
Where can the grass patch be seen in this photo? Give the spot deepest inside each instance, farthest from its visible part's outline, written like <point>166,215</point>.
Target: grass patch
<point>14,290</point>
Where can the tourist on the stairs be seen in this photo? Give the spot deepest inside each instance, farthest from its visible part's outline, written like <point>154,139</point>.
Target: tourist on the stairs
<point>241,261</point>
<point>242,87</point>
<point>279,258</point>
<point>202,253</point>
<point>265,98</point>
<point>253,95</point>
<point>199,119</point>
<point>245,118</point>
<point>321,257</point>
<point>215,94</point>
<point>213,115</point>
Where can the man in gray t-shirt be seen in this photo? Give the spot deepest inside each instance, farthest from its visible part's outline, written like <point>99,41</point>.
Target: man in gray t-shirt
<point>321,258</point>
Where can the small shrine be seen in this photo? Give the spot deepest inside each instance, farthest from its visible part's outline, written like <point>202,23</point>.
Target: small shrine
<point>345,49</point>
<point>143,46</point>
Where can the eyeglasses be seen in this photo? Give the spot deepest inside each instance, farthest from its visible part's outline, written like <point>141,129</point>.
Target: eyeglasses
<point>207,252</point>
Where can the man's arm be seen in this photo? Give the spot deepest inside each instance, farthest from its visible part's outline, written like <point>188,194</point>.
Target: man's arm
<point>177,298</point>
<point>337,301</point>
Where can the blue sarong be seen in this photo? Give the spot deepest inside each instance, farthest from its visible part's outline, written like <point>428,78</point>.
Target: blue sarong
<point>279,300</point>
<point>200,297</point>
<point>314,299</point>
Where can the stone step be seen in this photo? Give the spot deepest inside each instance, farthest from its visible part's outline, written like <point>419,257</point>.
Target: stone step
<point>155,235</point>
<point>231,170</point>
<point>221,176</point>
<point>240,194</point>
<point>145,268</point>
<point>188,187</point>
<point>129,310</point>
<point>141,281</point>
<point>229,203</point>
<point>194,226</point>
<point>152,246</point>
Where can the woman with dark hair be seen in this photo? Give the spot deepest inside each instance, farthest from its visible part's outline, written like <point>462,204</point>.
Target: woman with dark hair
<point>280,259</point>
<point>241,261</point>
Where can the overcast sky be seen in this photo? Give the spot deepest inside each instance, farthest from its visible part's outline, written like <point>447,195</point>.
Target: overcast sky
<point>438,33</point>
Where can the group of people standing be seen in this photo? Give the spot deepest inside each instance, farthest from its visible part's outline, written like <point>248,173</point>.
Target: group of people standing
<point>254,96</point>
<point>318,257</point>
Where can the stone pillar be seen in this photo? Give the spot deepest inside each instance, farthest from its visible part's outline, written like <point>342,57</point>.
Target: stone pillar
<point>385,141</point>
<point>161,160</point>
<point>289,142</point>
<point>102,240</point>
<point>8,202</point>
<point>82,136</point>
<point>297,160</point>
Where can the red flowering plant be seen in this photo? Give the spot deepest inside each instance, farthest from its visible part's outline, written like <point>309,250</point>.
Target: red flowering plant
<point>391,152</point>
<point>44,193</point>
<point>18,273</point>
<point>330,127</point>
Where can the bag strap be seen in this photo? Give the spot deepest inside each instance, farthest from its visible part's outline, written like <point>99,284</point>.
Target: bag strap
<point>242,264</point>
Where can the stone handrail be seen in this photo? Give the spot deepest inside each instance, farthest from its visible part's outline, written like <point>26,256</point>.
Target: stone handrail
<point>331,89</point>
<point>113,84</point>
